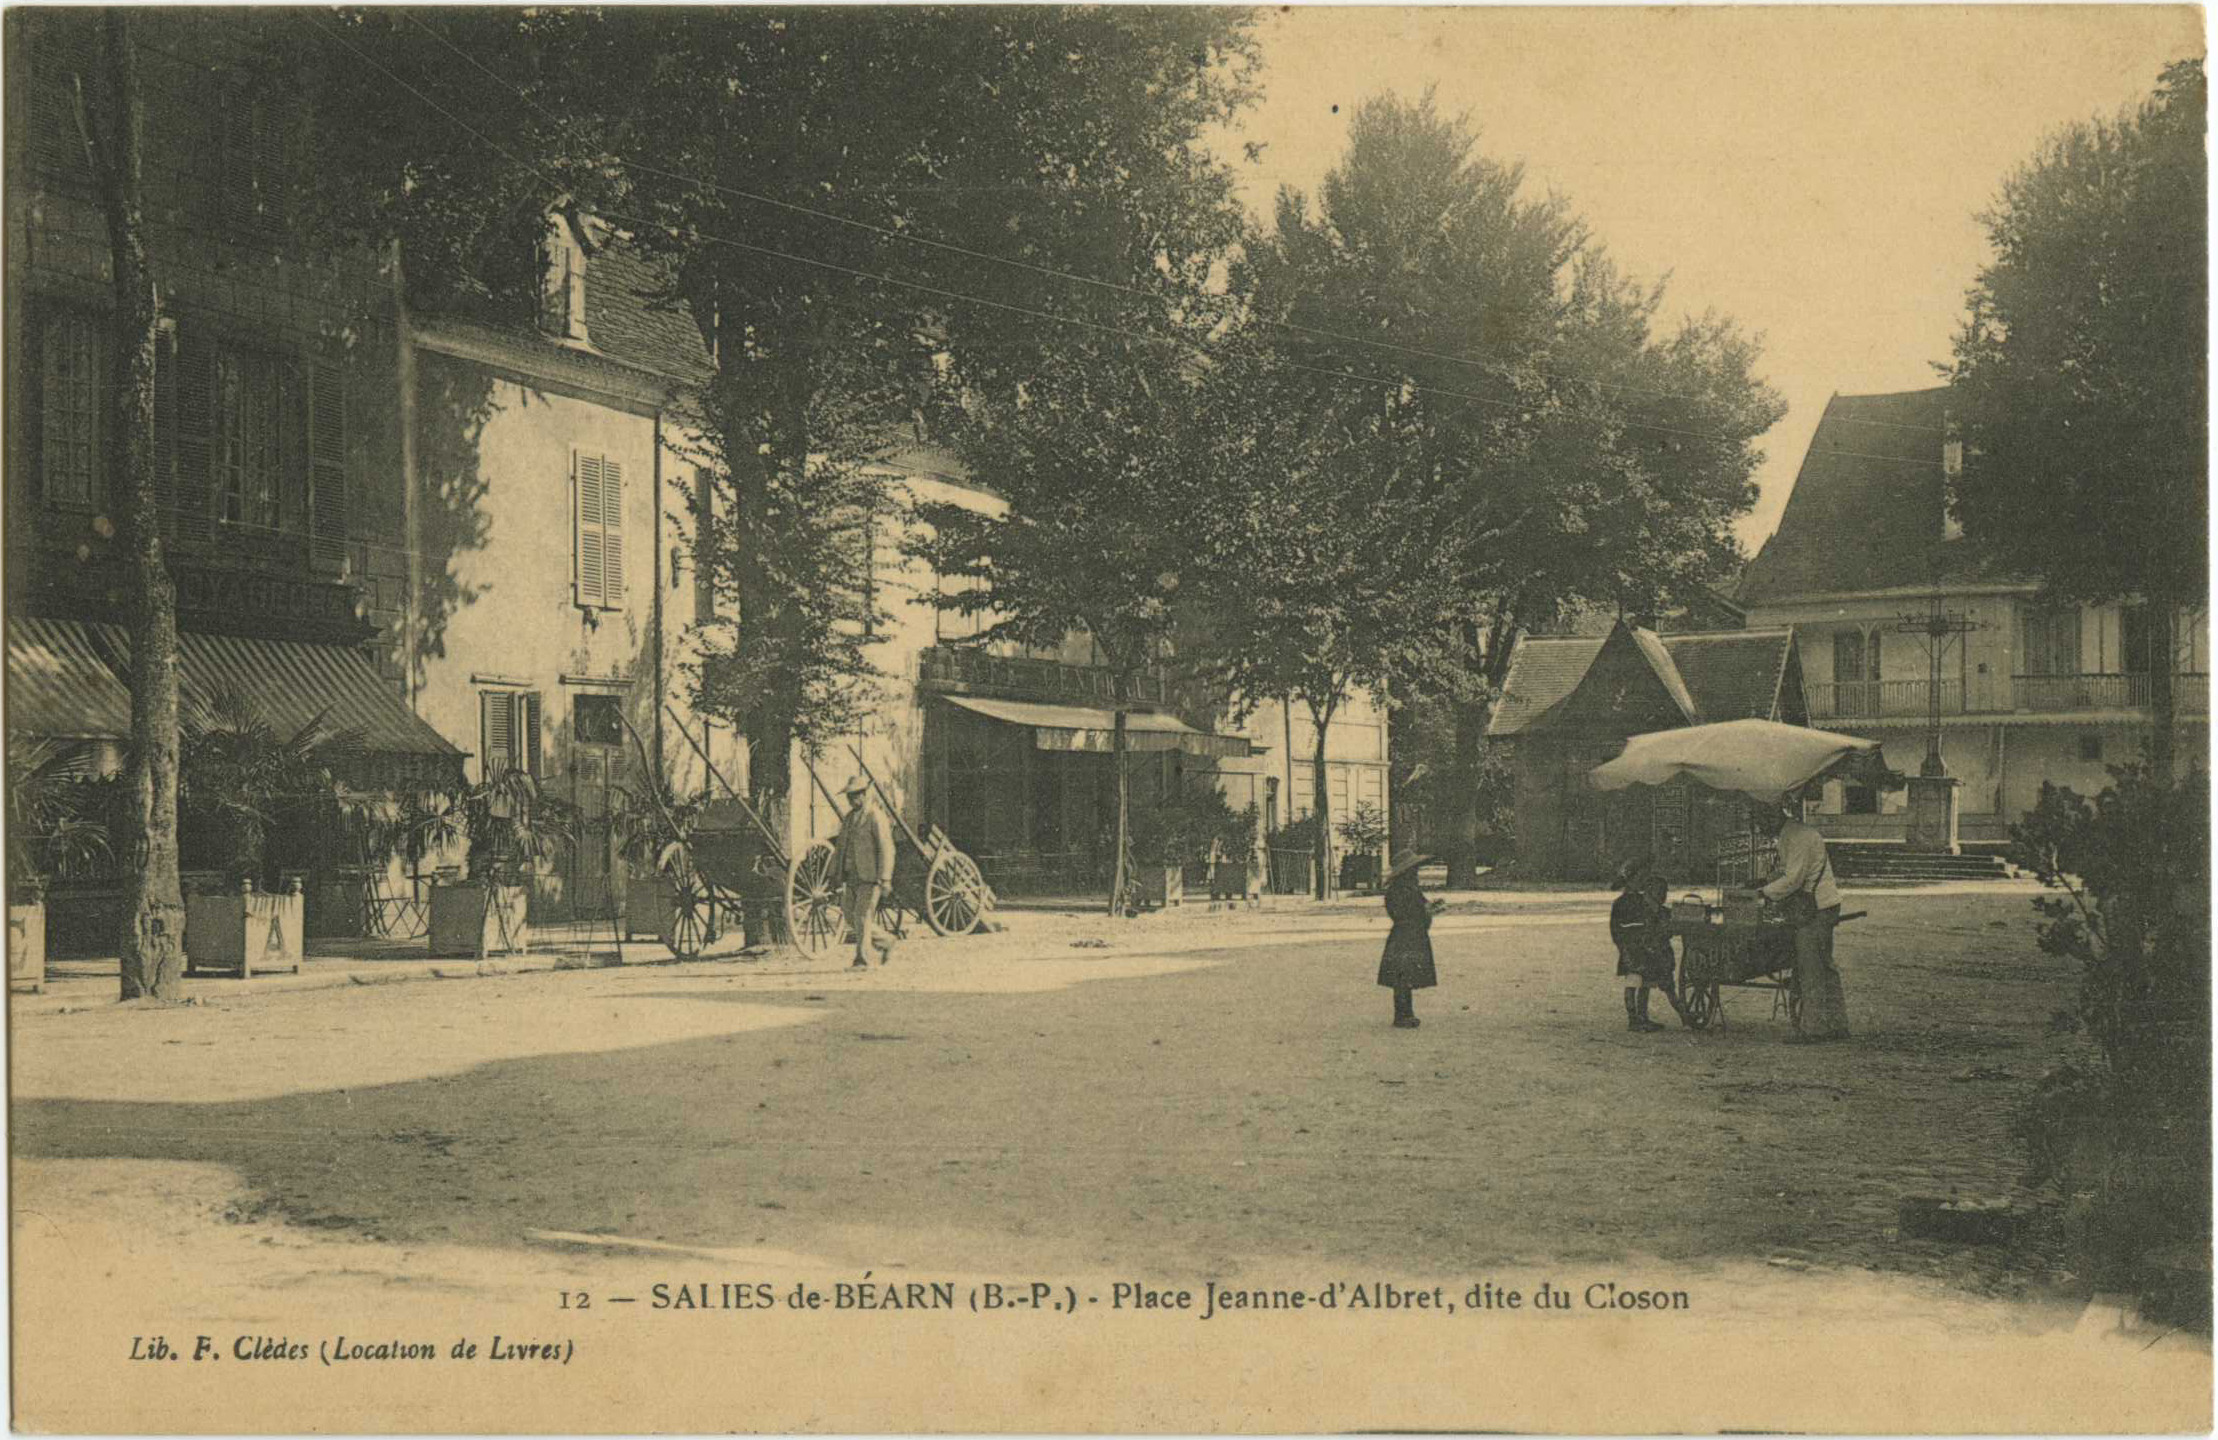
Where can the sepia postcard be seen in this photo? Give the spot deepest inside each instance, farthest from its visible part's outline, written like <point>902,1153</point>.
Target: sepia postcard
<point>1186,719</point>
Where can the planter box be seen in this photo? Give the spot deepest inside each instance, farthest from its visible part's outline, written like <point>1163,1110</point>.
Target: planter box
<point>1235,880</point>
<point>245,933</point>
<point>27,946</point>
<point>1161,885</point>
<point>478,920</point>
<point>1359,872</point>
<point>650,902</point>
<point>1292,872</point>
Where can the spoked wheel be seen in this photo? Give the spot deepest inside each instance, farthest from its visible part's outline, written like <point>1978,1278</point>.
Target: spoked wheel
<point>693,916</point>
<point>955,894</point>
<point>813,917</point>
<point>892,919</point>
<point>1702,1003</point>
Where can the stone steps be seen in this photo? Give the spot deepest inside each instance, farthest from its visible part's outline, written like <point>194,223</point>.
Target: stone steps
<point>1892,862</point>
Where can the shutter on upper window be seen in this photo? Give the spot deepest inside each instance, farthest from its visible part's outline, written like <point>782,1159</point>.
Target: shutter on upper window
<point>195,408</point>
<point>612,533</point>
<point>599,525</point>
<point>327,467</point>
<point>587,515</point>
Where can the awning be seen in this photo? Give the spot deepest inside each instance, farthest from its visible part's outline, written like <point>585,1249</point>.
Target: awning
<point>291,681</point>
<point>58,686</point>
<point>1083,728</point>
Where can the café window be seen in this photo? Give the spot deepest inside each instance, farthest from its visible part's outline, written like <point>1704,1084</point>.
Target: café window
<point>2051,641</point>
<point>70,384</point>
<point>249,442</point>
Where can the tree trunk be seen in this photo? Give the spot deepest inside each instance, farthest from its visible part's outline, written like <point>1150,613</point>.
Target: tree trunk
<point>1322,716</point>
<point>152,945</point>
<point>1120,886</point>
<point>2163,692</point>
<point>769,769</point>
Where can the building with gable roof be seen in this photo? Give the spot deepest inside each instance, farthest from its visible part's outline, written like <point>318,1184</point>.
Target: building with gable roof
<point>2032,693</point>
<point>1570,702</point>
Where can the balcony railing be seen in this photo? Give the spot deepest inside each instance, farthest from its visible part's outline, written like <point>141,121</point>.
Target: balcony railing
<point>2190,693</point>
<point>965,671</point>
<point>1873,699</point>
<point>1883,697</point>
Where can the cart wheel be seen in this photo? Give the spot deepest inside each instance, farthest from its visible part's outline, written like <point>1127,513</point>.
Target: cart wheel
<point>1701,1000</point>
<point>693,916</point>
<point>892,919</point>
<point>813,916</point>
<point>954,894</point>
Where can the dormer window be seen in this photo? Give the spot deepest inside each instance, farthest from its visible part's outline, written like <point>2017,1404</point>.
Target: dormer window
<point>563,254</point>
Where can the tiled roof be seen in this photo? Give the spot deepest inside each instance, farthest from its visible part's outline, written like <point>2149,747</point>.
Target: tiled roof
<point>1733,674</point>
<point>1542,671</point>
<point>1867,505</point>
<point>1719,675</point>
<point>632,316</point>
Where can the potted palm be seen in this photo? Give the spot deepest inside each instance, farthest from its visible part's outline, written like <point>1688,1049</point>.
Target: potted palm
<point>508,828</point>
<point>51,833</point>
<point>1364,833</point>
<point>239,778</point>
<point>1182,830</point>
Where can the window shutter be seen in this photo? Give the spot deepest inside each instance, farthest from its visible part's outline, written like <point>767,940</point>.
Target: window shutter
<point>587,515</point>
<point>612,534</point>
<point>497,732</point>
<point>195,406</point>
<point>327,467</point>
<point>527,731</point>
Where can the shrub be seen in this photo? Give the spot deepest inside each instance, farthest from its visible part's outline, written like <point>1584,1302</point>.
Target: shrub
<point>2127,1131</point>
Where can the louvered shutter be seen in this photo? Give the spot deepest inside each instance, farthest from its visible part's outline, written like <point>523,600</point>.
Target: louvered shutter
<point>612,534</point>
<point>587,524</point>
<point>327,467</point>
<point>527,731</point>
<point>497,731</point>
<point>195,407</point>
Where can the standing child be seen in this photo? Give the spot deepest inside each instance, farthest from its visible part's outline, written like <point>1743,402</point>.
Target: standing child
<point>1638,922</point>
<point>1406,966</point>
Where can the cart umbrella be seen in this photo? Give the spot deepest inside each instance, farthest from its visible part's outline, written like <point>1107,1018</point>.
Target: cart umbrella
<point>1758,758</point>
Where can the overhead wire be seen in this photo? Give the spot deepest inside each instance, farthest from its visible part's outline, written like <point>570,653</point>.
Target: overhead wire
<point>1390,383</point>
<point>911,237</point>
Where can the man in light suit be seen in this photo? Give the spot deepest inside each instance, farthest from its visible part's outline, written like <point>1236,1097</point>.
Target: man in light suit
<point>865,869</point>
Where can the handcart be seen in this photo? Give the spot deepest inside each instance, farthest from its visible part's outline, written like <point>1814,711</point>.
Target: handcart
<point>1741,942</point>
<point>931,879</point>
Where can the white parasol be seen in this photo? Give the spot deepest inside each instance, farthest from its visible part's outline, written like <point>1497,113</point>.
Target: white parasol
<point>1758,758</point>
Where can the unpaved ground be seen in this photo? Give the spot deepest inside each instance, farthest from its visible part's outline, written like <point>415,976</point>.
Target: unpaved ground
<point>476,1147</point>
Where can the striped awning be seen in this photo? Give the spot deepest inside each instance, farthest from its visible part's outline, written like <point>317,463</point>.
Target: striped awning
<point>1084,728</point>
<point>69,679</point>
<point>292,681</point>
<point>59,687</point>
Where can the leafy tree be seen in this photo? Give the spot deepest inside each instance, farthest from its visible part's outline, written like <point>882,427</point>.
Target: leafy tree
<point>1554,448</point>
<point>1099,460</point>
<point>2081,380</point>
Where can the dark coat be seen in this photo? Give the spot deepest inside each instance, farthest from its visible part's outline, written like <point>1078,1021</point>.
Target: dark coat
<point>1407,963</point>
<point>1637,924</point>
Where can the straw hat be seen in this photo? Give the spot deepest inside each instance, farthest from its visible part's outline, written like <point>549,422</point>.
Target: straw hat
<point>857,785</point>
<point>1406,864</point>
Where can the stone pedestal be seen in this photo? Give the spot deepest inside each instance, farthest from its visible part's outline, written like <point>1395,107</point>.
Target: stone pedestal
<point>1933,802</point>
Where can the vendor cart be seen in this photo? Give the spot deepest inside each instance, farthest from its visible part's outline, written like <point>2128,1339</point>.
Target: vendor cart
<point>931,879</point>
<point>1739,941</point>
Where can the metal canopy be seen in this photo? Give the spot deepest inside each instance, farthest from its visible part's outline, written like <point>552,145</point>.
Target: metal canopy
<point>1084,728</point>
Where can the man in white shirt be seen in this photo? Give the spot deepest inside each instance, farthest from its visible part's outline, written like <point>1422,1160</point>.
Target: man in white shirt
<point>1802,885</point>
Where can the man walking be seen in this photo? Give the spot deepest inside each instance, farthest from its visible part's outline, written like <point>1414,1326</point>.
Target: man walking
<point>865,869</point>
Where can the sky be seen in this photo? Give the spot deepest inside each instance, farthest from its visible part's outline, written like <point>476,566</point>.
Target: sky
<point>1814,173</point>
